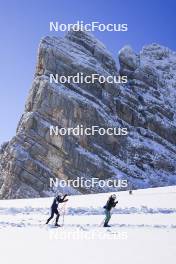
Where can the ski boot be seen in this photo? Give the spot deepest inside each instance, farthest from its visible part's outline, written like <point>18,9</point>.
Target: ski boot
<point>56,224</point>
<point>106,225</point>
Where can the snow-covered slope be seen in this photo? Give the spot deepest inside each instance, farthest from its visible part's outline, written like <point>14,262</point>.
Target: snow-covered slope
<point>143,230</point>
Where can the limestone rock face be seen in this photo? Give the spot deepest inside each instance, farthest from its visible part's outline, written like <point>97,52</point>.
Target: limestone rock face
<point>146,106</point>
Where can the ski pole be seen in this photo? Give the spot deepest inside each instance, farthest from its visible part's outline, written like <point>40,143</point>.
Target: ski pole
<point>63,215</point>
<point>62,208</point>
<point>102,221</point>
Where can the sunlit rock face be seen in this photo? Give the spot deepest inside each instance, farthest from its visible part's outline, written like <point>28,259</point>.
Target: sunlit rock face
<point>145,106</point>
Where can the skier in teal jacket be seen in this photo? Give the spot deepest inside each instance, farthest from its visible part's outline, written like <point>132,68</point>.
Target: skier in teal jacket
<point>109,205</point>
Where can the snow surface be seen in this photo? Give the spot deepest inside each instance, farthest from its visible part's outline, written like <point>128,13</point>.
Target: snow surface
<point>143,230</point>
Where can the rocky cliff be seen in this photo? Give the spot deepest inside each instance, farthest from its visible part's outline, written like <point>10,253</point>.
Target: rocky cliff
<point>145,105</point>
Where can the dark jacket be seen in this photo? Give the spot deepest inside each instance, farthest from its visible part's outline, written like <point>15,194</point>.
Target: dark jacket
<point>110,204</point>
<point>58,200</point>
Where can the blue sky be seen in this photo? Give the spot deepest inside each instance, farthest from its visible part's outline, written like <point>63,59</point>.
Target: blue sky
<point>23,23</point>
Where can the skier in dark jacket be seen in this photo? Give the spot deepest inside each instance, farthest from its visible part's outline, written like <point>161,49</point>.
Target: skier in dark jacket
<point>54,208</point>
<point>109,205</point>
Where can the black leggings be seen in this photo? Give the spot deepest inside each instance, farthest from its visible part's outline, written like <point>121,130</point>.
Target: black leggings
<point>54,211</point>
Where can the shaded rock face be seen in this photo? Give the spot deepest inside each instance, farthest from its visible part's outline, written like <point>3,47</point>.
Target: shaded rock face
<point>146,106</point>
